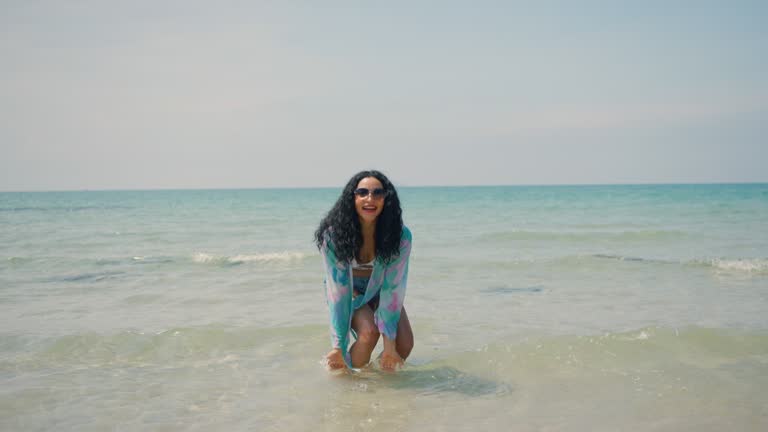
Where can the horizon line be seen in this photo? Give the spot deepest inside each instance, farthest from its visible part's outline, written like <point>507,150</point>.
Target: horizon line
<point>171,189</point>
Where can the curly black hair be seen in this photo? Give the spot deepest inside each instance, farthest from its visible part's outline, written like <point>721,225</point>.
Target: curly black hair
<point>343,225</point>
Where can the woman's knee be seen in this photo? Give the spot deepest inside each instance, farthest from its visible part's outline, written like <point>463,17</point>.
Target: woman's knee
<point>368,335</point>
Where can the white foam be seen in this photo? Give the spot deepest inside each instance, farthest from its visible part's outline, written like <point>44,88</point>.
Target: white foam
<point>203,258</point>
<point>740,265</point>
<point>268,257</point>
<point>271,257</point>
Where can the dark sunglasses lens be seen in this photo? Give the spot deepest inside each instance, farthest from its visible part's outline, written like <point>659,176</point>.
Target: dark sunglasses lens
<point>377,193</point>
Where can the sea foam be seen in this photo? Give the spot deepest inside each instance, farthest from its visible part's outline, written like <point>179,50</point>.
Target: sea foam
<point>270,257</point>
<point>756,265</point>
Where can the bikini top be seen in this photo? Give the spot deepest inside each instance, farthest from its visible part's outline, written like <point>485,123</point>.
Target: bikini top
<point>362,266</point>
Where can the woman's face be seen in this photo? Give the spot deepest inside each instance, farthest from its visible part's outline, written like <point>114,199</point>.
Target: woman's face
<point>369,199</point>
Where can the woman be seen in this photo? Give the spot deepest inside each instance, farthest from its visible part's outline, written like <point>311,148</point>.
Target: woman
<point>365,249</point>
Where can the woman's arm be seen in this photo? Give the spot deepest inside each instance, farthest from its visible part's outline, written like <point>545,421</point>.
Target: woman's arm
<point>393,292</point>
<point>338,292</point>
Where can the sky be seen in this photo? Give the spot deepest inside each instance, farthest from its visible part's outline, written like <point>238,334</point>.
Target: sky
<point>250,94</point>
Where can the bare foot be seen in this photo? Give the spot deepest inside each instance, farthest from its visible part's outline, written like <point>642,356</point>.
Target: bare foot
<point>389,361</point>
<point>335,360</point>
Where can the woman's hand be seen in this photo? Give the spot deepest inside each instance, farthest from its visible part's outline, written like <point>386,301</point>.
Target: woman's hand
<point>335,359</point>
<point>390,359</point>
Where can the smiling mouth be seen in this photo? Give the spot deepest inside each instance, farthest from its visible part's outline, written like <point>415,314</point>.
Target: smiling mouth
<point>369,208</point>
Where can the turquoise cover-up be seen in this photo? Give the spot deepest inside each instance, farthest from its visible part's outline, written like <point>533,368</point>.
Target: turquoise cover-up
<point>389,280</point>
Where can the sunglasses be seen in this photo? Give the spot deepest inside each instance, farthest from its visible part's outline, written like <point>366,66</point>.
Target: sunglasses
<point>377,193</point>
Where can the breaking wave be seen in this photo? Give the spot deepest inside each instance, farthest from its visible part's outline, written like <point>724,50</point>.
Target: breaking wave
<point>734,266</point>
<point>754,266</point>
<point>285,257</point>
<point>729,265</point>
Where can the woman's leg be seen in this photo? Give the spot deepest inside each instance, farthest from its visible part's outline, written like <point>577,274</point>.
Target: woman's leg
<point>404,339</point>
<point>367,336</point>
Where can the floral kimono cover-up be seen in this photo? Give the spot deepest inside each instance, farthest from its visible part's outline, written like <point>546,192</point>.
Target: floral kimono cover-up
<point>389,280</point>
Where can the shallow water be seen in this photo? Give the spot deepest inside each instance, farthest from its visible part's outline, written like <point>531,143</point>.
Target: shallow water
<point>534,308</point>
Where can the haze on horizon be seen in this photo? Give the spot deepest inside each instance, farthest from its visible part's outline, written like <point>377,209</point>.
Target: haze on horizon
<point>193,94</point>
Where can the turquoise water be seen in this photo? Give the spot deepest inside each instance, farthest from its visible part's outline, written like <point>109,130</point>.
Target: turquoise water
<point>537,307</point>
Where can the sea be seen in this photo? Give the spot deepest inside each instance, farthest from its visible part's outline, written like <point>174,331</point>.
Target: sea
<point>534,308</point>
